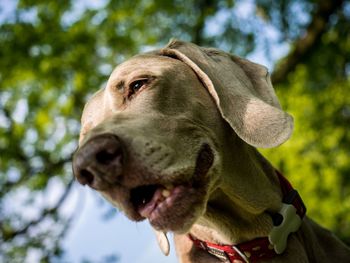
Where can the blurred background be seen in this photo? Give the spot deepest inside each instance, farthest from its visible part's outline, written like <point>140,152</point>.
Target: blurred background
<point>55,54</point>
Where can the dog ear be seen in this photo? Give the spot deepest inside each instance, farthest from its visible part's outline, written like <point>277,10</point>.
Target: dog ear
<point>242,91</point>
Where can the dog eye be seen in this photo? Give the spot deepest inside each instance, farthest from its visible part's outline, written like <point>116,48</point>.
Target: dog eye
<point>137,85</point>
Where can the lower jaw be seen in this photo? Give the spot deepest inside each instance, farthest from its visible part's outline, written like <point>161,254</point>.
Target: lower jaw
<point>166,226</point>
<point>166,219</point>
<point>175,222</point>
<point>181,226</point>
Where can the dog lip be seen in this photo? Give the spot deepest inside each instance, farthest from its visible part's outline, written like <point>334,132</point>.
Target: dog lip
<point>148,201</point>
<point>160,205</point>
<point>145,198</point>
<point>145,210</point>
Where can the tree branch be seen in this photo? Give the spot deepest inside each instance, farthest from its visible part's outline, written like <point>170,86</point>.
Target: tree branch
<point>305,44</point>
<point>30,172</point>
<point>204,8</point>
<point>8,235</point>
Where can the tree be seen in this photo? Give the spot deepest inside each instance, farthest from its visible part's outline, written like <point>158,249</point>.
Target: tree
<point>54,54</point>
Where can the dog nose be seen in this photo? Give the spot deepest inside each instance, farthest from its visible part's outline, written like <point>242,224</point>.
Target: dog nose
<point>98,163</point>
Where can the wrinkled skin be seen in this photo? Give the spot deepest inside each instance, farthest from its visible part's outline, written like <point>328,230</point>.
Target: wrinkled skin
<point>171,132</point>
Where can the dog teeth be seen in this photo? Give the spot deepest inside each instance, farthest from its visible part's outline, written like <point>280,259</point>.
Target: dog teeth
<point>166,193</point>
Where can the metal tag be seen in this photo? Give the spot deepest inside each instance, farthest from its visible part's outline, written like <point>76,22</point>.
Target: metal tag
<point>163,242</point>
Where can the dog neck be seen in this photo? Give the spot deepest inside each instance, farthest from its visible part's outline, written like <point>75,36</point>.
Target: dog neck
<point>240,209</point>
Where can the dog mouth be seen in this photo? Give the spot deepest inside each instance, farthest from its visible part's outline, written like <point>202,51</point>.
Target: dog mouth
<point>166,205</point>
<point>152,201</point>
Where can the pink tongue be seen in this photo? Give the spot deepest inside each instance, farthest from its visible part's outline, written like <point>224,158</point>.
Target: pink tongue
<point>147,209</point>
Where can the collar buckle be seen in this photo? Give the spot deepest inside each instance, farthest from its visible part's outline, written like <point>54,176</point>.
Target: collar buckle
<point>225,255</point>
<point>241,254</point>
<point>218,253</point>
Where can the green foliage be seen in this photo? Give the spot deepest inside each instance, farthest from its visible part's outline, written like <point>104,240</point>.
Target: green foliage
<point>316,158</point>
<point>54,54</point>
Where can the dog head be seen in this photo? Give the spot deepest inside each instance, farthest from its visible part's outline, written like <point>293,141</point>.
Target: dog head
<point>155,140</point>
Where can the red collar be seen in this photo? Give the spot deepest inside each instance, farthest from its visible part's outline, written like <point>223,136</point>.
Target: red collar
<point>259,248</point>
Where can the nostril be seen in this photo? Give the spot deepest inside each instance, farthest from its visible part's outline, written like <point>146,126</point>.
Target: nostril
<point>85,177</point>
<point>105,157</point>
<point>99,162</point>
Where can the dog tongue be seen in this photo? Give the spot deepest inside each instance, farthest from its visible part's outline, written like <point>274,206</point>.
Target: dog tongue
<point>146,210</point>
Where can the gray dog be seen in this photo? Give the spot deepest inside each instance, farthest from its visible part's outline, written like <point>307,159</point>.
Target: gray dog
<point>172,139</point>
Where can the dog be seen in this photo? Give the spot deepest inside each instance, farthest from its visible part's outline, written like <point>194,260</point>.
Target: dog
<point>172,139</point>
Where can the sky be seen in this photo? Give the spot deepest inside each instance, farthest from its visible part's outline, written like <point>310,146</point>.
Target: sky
<point>93,238</point>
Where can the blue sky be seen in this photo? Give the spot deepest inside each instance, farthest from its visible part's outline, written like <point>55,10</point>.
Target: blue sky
<point>93,238</point>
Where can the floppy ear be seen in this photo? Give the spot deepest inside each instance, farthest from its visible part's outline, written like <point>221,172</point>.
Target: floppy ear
<point>242,91</point>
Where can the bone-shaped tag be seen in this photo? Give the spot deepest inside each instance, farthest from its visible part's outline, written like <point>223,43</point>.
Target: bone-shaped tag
<point>291,223</point>
<point>163,242</point>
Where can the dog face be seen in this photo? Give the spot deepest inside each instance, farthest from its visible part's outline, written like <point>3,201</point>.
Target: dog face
<point>150,142</point>
<point>158,140</point>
